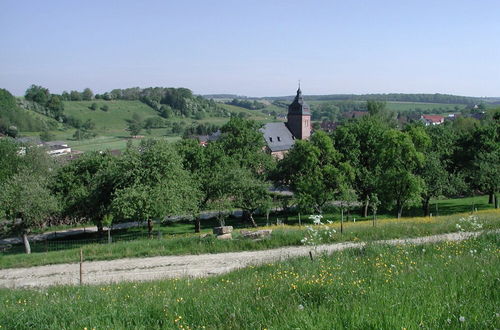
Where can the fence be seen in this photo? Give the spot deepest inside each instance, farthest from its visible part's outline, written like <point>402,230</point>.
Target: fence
<point>65,243</point>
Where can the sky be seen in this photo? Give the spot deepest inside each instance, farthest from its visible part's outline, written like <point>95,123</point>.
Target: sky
<point>253,48</point>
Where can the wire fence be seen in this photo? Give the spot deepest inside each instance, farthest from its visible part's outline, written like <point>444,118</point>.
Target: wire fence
<point>65,243</point>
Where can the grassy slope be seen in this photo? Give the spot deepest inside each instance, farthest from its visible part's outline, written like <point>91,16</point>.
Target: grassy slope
<point>282,236</point>
<point>441,286</point>
<point>113,120</point>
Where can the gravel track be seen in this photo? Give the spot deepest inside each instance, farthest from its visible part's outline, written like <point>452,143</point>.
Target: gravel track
<point>152,268</point>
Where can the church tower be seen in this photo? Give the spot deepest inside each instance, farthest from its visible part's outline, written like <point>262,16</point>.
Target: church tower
<point>299,117</point>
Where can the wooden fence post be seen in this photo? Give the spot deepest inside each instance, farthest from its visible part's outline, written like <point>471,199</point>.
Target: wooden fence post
<point>81,266</point>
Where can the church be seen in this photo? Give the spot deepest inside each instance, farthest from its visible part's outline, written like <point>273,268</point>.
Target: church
<point>280,137</point>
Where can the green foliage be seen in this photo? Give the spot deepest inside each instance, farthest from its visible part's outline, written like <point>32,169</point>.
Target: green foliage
<point>13,118</point>
<point>135,125</point>
<point>243,142</point>
<point>37,94</point>
<point>400,161</point>
<point>313,170</point>
<point>26,201</point>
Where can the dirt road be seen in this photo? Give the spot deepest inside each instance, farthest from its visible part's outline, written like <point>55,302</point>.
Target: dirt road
<point>146,269</point>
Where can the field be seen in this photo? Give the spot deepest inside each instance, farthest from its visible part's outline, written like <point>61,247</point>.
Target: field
<point>447,285</point>
<point>111,125</point>
<point>434,108</point>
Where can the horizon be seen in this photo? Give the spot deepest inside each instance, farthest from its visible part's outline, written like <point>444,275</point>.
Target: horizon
<point>254,50</point>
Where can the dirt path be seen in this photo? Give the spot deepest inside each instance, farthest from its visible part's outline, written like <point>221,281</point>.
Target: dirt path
<point>146,269</point>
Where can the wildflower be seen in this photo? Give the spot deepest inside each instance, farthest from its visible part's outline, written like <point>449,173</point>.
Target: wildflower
<point>448,320</point>
<point>300,307</point>
<point>461,319</point>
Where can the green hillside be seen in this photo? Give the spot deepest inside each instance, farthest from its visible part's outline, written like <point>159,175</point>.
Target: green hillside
<point>112,121</point>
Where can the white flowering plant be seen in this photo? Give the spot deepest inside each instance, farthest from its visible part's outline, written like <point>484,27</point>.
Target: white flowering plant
<point>470,223</point>
<point>319,232</point>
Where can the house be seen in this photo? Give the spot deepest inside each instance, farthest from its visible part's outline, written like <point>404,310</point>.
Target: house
<point>432,119</point>
<point>355,114</point>
<point>205,139</point>
<point>328,126</point>
<point>57,148</point>
<point>280,137</point>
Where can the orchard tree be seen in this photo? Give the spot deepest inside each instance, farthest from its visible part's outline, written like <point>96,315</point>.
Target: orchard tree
<point>26,203</point>
<point>313,170</point>
<point>400,162</point>
<point>211,169</point>
<point>360,144</point>
<point>249,193</point>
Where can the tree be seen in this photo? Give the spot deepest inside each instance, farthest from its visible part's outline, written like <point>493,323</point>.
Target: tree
<point>360,144</point>
<point>313,170</point>
<point>488,173</point>
<point>375,107</point>
<point>75,96</point>
<point>26,203</point>
<point>135,125</point>
<point>37,94</point>
<point>152,183</point>
<point>87,94</point>
<point>249,193</point>
<point>55,106</point>
<point>93,106</point>
<point>10,159</point>
<point>400,162</point>
<point>242,141</point>
<point>212,170</point>
<point>105,108</point>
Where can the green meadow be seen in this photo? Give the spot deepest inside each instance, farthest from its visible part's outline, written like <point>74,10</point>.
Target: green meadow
<point>174,240</point>
<point>450,285</point>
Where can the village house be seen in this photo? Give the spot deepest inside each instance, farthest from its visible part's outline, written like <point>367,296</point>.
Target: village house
<point>432,120</point>
<point>280,137</point>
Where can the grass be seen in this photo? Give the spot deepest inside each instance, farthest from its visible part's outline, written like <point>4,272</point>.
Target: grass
<point>281,236</point>
<point>438,108</point>
<point>115,119</point>
<point>448,285</point>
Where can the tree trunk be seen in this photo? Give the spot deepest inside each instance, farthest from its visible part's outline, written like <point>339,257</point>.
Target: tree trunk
<point>400,211</point>
<point>150,227</point>
<point>426,206</point>
<point>27,247</point>
<point>496,200</point>
<point>197,224</point>
<point>100,229</point>
<point>341,220</point>
<point>365,210</point>
<point>254,224</point>
<point>248,216</point>
<point>491,198</point>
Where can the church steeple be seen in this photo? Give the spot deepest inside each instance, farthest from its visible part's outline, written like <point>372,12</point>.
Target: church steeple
<point>299,117</point>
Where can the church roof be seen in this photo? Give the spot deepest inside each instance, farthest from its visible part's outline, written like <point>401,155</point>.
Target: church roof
<point>278,137</point>
<point>298,106</point>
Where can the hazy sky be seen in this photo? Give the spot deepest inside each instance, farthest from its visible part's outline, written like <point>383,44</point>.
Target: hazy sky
<point>254,48</point>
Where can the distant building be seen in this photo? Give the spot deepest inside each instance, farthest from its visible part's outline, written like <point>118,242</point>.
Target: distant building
<point>355,114</point>
<point>432,120</point>
<point>328,126</point>
<point>280,137</point>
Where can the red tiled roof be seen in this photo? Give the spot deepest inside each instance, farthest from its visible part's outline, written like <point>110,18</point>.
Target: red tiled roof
<point>433,118</point>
